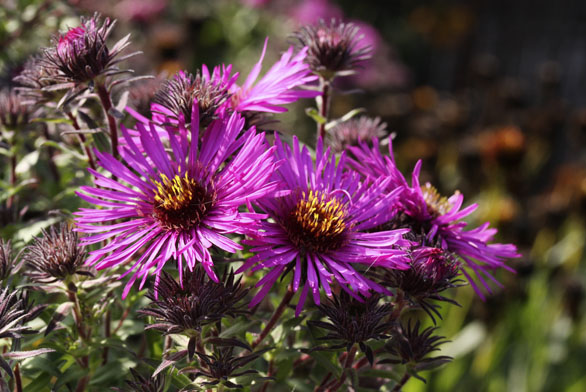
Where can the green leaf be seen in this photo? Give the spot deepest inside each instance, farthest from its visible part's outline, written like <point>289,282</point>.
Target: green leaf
<point>329,362</point>
<point>39,384</point>
<point>51,143</point>
<point>71,375</point>
<point>240,326</point>
<point>57,120</point>
<point>344,118</point>
<point>111,371</point>
<point>379,373</point>
<point>13,190</point>
<point>102,142</point>
<point>32,230</point>
<point>353,376</point>
<point>315,116</point>
<point>87,120</point>
<point>27,162</point>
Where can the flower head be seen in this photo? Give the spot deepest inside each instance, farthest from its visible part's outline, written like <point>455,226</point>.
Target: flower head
<point>81,54</point>
<point>177,95</point>
<point>351,132</point>
<point>431,271</point>
<point>224,363</point>
<point>142,93</point>
<point>334,49</point>
<point>199,301</point>
<point>435,220</point>
<point>319,227</point>
<point>34,80</point>
<point>55,256</point>
<point>279,86</point>
<point>411,346</point>
<point>6,260</point>
<point>15,312</point>
<point>176,202</point>
<point>141,383</point>
<point>14,112</point>
<point>353,320</point>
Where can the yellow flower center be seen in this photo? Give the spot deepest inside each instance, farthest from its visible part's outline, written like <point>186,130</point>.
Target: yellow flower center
<point>180,203</point>
<point>317,223</point>
<point>437,204</point>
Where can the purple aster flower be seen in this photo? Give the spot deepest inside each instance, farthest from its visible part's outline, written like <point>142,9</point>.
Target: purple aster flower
<point>319,227</point>
<point>176,202</point>
<point>279,86</point>
<point>436,220</point>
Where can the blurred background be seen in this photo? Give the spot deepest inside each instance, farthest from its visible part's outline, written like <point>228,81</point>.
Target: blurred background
<point>489,94</point>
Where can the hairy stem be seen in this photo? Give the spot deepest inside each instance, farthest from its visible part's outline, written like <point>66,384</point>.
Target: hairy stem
<point>402,382</point>
<point>81,384</point>
<point>400,303</point>
<point>82,140</point>
<point>106,102</point>
<point>77,314</point>
<point>13,162</point>
<point>347,365</point>
<point>324,107</point>
<point>51,151</point>
<point>84,334</point>
<point>278,313</point>
<point>106,335</point>
<point>322,385</point>
<point>121,321</point>
<point>270,373</point>
<point>17,379</point>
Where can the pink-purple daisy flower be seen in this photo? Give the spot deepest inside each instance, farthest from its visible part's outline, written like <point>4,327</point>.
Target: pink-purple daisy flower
<point>218,94</point>
<point>279,86</point>
<point>436,220</point>
<point>319,227</point>
<point>176,202</point>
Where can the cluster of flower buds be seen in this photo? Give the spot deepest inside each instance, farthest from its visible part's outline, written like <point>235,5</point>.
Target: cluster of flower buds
<point>187,306</point>
<point>6,260</point>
